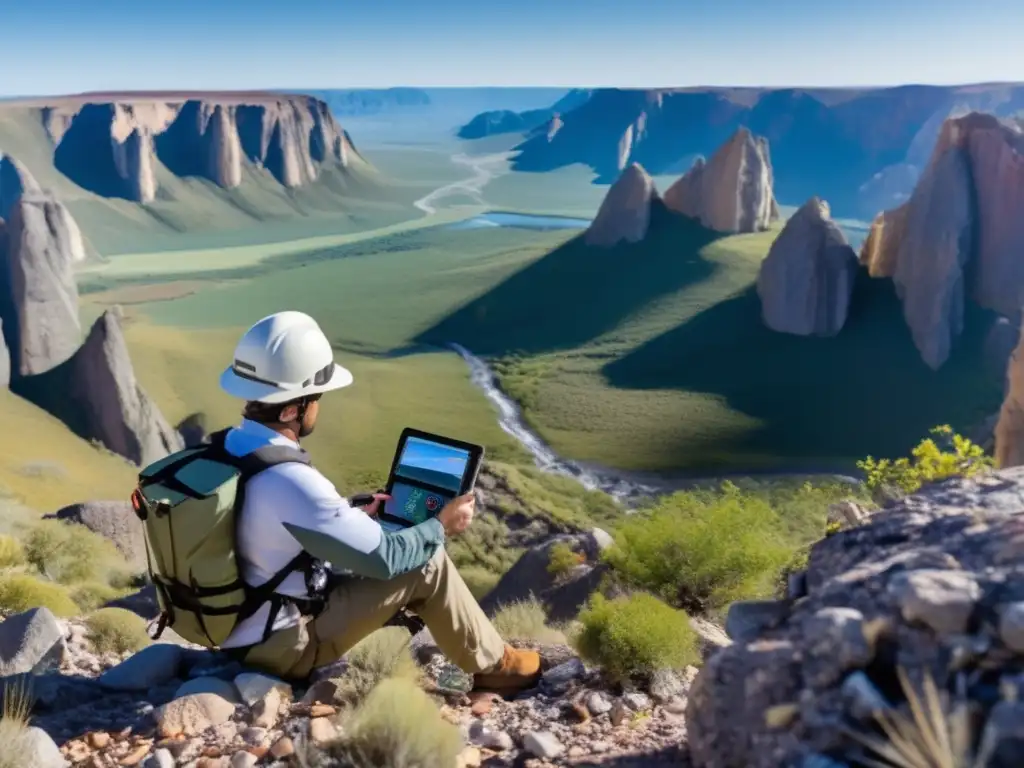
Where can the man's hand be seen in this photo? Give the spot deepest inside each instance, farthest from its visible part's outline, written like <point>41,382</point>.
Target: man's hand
<point>458,514</point>
<point>372,508</point>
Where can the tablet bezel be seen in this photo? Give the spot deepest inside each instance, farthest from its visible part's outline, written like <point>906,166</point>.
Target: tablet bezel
<point>476,455</point>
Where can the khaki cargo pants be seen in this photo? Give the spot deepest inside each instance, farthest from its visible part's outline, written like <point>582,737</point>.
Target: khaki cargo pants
<point>358,607</point>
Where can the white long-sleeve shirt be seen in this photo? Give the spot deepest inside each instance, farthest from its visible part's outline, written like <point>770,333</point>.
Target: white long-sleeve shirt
<point>299,495</point>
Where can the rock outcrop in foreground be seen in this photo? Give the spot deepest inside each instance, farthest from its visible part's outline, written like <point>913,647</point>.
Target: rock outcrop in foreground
<point>112,406</point>
<point>625,212</point>
<point>931,585</point>
<point>732,192</point>
<point>114,146</point>
<point>39,246</point>
<point>960,235</point>
<point>806,281</point>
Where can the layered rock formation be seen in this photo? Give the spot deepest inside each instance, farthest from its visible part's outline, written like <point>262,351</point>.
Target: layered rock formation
<point>38,249</point>
<point>15,181</point>
<point>960,235</point>
<point>806,281</point>
<point>109,403</point>
<point>732,192</point>
<point>930,586</point>
<point>115,148</point>
<point>625,212</point>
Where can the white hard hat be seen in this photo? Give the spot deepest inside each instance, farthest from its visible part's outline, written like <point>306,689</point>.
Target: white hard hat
<point>283,357</point>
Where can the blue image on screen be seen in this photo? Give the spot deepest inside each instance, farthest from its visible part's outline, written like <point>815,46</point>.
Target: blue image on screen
<point>434,473</point>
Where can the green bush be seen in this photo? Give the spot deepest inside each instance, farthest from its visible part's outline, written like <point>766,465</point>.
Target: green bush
<point>115,630</point>
<point>70,553</point>
<point>635,635</point>
<point>946,455</point>
<point>95,594</point>
<point>397,726</point>
<point>563,558</point>
<point>702,550</point>
<point>526,620</point>
<point>384,654</point>
<point>22,591</point>
<point>11,552</point>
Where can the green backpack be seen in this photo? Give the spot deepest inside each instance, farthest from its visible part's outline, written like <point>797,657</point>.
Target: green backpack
<point>190,505</point>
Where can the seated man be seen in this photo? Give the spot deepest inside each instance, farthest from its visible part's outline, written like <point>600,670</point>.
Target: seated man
<point>282,366</point>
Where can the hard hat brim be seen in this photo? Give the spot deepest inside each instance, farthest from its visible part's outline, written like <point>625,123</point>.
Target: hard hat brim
<point>258,391</point>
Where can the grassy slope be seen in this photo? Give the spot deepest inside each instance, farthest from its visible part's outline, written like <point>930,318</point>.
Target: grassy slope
<point>44,465</point>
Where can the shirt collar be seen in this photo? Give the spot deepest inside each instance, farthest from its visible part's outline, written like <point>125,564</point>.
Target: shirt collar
<point>265,433</point>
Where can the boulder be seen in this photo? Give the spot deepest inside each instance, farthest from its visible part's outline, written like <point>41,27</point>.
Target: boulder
<point>562,595</point>
<point>38,251</point>
<point>733,191</point>
<point>15,181</point>
<point>112,406</point>
<point>30,643</point>
<point>115,521</point>
<point>806,281</point>
<point>931,584</point>
<point>625,212</point>
<point>959,235</point>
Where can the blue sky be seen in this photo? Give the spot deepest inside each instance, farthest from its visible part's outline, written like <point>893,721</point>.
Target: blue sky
<point>441,458</point>
<point>63,46</point>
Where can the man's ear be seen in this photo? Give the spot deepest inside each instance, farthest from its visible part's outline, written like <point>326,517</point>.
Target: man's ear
<point>288,414</point>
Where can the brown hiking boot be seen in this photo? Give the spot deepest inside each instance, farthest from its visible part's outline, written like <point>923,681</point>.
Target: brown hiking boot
<point>517,671</point>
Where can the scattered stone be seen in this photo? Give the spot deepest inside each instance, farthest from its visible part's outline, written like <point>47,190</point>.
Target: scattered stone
<point>638,702</point>
<point>598,703</point>
<point>161,758</point>
<point>864,700</point>
<point>543,744</point>
<point>211,685</point>
<point>470,757</point>
<point>322,710</point>
<point>564,673</point>
<point>154,665</point>
<point>619,713</point>
<point>39,750</point>
<point>243,759</point>
<point>836,643</point>
<point>847,514</point>
<point>944,600</point>
<point>253,686</point>
<point>31,642</point>
<point>322,692</point>
<point>1011,626</point>
<point>322,730</point>
<point>283,747</point>
<point>746,619</point>
<point>193,714</point>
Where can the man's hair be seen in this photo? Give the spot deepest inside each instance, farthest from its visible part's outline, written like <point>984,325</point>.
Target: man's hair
<point>270,413</point>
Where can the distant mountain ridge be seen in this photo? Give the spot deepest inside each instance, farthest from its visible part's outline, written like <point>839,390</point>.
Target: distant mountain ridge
<point>501,121</point>
<point>862,149</point>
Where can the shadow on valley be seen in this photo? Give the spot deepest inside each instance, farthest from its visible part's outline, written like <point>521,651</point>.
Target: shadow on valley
<point>578,292</point>
<point>864,391</point>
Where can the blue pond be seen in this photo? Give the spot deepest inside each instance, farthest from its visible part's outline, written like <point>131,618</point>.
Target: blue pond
<point>520,221</point>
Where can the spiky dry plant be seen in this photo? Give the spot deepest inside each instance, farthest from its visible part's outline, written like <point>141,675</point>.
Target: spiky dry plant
<point>17,706</point>
<point>936,735</point>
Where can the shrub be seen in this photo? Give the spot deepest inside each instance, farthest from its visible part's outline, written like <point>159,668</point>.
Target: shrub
<point>526,620</point>
<point>70,553</point>
<point>115,630</point>
<point>701,550</point>
<point>11,552</point>
<point>947,455</point>
<point>397,726</point>
<point>22,591</point>
<point>94,594</point>
<point>635,635</point>
<point>384,654</point>
<point>563,558</point>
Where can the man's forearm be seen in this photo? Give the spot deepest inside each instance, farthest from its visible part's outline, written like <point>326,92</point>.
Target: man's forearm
<point>400,551</point>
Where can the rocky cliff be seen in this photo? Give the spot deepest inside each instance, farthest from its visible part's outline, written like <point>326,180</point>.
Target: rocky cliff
<point>110,405</point>
<point>39,246</point>
<point>959,235</point>
<point>733,191</point>
<point>115,146</point>
<point>855,148</point>
<point>927,591</point>
<point>625,212</point>
<point>1009,429</point>
<point>806,281</point>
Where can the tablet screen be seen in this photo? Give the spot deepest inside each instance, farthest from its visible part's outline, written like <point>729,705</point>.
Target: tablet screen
<point>428,475</point>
